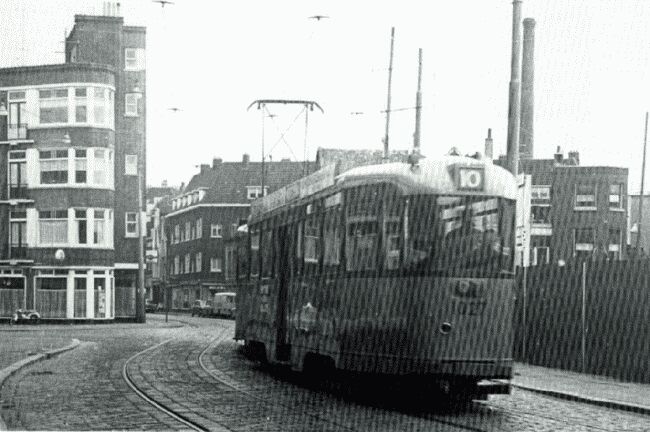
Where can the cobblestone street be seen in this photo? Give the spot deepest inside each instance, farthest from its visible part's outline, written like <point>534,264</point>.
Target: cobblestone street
<point>198,372</point>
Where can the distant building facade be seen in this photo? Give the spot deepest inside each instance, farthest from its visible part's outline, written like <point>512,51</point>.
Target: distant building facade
<point>577,212</point>
<point>70,138</point>
<point>205,215</point>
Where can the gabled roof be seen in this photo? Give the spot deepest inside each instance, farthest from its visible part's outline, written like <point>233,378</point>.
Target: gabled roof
<point>227,182</point>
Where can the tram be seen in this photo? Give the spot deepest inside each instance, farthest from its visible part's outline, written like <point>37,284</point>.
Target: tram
<point>397,269</point>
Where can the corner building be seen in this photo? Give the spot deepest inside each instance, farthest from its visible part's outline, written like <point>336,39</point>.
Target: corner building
<point>71,136</point>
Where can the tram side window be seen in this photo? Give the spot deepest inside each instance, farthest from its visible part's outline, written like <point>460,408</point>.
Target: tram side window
<point>298,261</point>
<point>255,253</point>
<point>332,239</point>
<point>362,228</point>
<point>267,253</point>
<point>242,262</point>
<point>392,238</point>
<point>312,240</point>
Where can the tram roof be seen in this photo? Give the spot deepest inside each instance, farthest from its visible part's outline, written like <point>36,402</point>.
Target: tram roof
<point>436,176</point>
<point>441,176</point>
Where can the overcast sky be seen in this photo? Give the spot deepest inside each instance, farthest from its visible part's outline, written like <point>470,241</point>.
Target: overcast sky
<point>211,59</point>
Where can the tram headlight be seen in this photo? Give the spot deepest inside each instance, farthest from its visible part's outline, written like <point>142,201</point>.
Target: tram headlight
<point>445,328</point>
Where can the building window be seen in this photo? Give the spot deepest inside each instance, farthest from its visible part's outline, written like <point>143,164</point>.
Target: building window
<point>80,166</point>
<point>215,265</point>
<point>199,228</point>
<point>131,164</point>
<point>585,196</point>
<point>131,224</point>
<point>253,192</point>
<point>614,244</point>
<point>540,214</point>
<point>177,234</point>
<point>100,168</point>
<point>616,196</point>
<point>583,242</point>
<point>17,233</point>
<point>17,175</point>
<point>187,263</point>
<point>53,104</point>
<point>100,96</point>
<point>99,227</point>
<point>216,231</point>
<point>54,166</point>
<point>82,227</point>
<point>188,226</point>
<point>53,227</point>
<point>198,265</point>
<point>81,105</point>
<point>131,104</point>
<point>177,265</point>
<point>540,195</point>
<point>134,59</point>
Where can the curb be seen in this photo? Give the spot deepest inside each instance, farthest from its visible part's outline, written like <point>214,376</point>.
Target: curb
<point>624,406</point>
<point>12,369</point>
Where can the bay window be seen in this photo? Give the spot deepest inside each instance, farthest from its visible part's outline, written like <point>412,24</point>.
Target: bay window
<point>54,166</point>
<point>99,227</point>
<point>80,165</point>
<point>53,104</point>
<point>81,105</point>
<point>53,227</point>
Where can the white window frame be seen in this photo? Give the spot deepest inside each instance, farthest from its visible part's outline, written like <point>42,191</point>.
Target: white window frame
<point>131,104</point>
<point>130,164</point>
<point>198,262</point>
<point>134,59</point>
<point>199,228</point>
<point>617,203</point>
<point>128,223</point>
<point>216,265</point>
<point>577,197</point>
<point>216,231</point>
<point>188,260</point>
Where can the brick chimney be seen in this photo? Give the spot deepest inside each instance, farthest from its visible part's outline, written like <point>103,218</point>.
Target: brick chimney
<point>246,158</point>
<point>558,156</point>
<point>216,161</point>
<point>575,157</point>
<point>489,150</point>
<point>204,168</point>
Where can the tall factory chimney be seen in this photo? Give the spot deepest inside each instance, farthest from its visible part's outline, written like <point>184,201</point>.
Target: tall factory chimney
<point>514,94</point>
<point>489,145</point>
<point>527,91</point>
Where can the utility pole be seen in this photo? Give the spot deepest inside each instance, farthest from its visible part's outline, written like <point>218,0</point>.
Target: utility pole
<point>638,226</point>
<point>140,316</point>
<point>514,105</point>
<point>390,77</point>
<point>418,107</point>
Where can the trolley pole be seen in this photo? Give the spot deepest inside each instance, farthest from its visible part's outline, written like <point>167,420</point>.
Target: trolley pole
<point>390,78</point>
<point>418,106</point>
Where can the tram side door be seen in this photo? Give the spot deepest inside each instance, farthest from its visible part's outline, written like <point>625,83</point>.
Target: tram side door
<point>282,253</point>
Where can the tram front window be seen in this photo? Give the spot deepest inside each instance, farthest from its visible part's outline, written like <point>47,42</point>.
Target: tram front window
<point>458,235</point>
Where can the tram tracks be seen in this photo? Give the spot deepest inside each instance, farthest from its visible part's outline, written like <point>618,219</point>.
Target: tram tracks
<point>265,400</point>
<point>158,405</point>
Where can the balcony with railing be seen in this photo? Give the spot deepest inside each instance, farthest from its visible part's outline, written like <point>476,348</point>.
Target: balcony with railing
<point>17,131</point>
<point>17,252</point>
<point>18,191</point>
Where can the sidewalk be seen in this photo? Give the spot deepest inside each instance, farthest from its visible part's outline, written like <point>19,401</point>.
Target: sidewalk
<point>594,389</point>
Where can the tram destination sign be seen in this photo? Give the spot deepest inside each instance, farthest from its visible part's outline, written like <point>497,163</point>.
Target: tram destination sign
<point>470,178</point>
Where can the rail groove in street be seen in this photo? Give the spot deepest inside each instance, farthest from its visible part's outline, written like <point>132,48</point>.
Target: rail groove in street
<point>159,406</point>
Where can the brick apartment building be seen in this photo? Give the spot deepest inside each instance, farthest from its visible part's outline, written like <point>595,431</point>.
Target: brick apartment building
<point>71,137</point>
<point>206,214</point>
<point>577,212</point>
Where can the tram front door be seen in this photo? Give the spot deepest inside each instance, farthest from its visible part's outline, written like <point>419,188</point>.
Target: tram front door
<point>283,348</point>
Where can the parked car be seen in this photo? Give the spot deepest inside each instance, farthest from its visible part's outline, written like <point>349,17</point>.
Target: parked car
<point>202,308</point>
<point>224,304</point>
<point>152,307</point>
